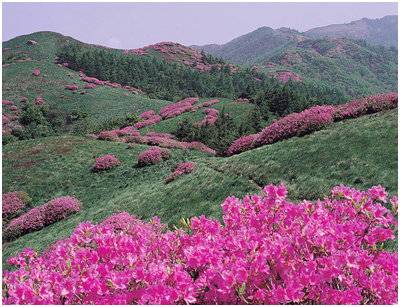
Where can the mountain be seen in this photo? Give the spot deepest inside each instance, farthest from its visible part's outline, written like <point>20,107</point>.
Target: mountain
<point>248,48</point>
<point>355,66</point>
<point>380,31</point>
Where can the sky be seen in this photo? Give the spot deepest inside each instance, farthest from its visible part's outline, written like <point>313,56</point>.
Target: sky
<point>133,25</point>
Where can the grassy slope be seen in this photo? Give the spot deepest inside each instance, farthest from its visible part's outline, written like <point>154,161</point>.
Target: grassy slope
<point>360,152</point>
<point>100,103</point>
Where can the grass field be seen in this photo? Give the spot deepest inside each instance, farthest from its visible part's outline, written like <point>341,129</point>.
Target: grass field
<point>359,152</point>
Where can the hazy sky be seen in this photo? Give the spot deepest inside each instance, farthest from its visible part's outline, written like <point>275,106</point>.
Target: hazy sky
<point>132,25</point>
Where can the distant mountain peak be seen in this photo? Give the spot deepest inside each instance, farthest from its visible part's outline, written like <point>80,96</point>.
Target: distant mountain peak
<point>379,31</point>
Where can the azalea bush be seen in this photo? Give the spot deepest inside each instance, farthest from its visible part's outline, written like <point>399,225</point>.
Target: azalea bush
<point>148,122</point>
<point>36,72</point>
<point>313,119</point>
<point>204,104</point>
<point>6,102</point>
<point>108,135</point>
<point>178,108</point>
<point>153,155</point>
<point>243,143</point>
<point>71,87</point>
<point>210,118</point>
<point>105,162</point>
<point>41,216</point>
<point>371,104</point>
<point>181,169</point>
<point>268,250</point>
<point>13,204</point>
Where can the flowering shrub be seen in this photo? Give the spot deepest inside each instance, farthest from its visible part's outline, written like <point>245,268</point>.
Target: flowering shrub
<point>204,104</point>
<point>148,122</point>
<point>90,86</point>
<point>178,108</point>
<point>105,162</point>
<point>313,119</point>
<point>41,216</point>
<point>147,114</point>
<point>39,100</point>
<point>153,155</point>
<point>6,102</point>
<point>267,251</point>
<point>371,104</point>
<point>91,80</point>
<point>210,118</point>
<point>181,169</point>
<point>13,204</point>
<point>36,72</point>
<point>128,130</point>
<point>71,87</point>
<point>296,124</point>
<point>5,119</point>
<point>243,143</point>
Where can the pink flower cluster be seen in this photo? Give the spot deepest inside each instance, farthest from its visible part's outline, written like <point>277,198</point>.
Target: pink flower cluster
<point>267,251</point>
<point>204,104</point>
<point>90,86</point>
<point>39,100</point>
<point>113,135</point>
<point>178,108</point>
<point>13,204</point>
<point>295,124</point>
<point>149,118</point>
<point>92,80</point>
<point>6,102</point>
<point>313,119</point>
<point>41,216</point>
<point>181,169</point>
<point>105,162</point>
<point>210,118</point>
<point>5,119</point>
<point>71,87</point>
<point>153,155</point>
<point>23,99</point>
<point>242,144</point>
<point>36,72</point>
<point>128,131</point>
<point>371,104</point>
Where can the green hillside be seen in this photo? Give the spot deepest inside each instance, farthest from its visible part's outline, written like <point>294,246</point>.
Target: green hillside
<point>353,67</point>
<point>359,152</point>
<point>92,109</point>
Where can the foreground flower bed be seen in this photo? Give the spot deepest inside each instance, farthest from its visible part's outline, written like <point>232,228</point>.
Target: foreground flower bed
<point>267,251</point>
<point>312,119</point>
